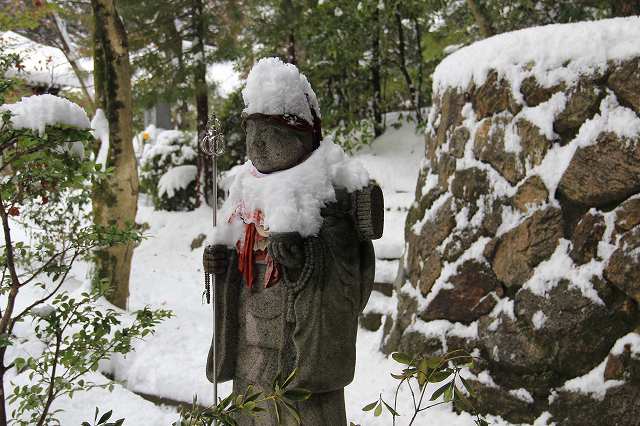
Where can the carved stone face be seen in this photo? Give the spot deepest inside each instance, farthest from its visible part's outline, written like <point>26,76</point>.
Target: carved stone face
<point>273,146</point>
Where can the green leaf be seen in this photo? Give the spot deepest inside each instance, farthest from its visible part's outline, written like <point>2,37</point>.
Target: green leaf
<point>378,410</point>
<point>276,381</point>
<point>467,386</point>
<point>370,407</point>
<point>434,361</point>
<point>293,412</point>
<point>253,397</point>
<point>448,392</point>
<point>297,394</point>
<point>19,363</point>
<point>391,410</point>
<point>288,380</point>
<point>106,416</point>
<point>439,392</point>
<point>438,376</point>
<point>402,358</point>
<point>423,371</point>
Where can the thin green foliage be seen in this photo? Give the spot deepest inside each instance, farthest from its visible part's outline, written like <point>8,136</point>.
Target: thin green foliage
<point>281,401</point>
<point>420,371</point>
<point>45,186</point>
<point>103,420</point>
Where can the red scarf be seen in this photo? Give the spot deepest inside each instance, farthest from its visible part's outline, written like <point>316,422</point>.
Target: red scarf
<point>247,257</point>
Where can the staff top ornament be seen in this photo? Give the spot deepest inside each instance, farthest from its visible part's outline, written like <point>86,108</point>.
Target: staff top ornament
<point>212,143</point>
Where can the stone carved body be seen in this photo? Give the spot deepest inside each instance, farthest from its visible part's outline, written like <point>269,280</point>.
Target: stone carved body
<point>307,320</point>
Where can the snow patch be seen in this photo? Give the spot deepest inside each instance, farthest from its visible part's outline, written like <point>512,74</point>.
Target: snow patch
<point>612,118</point>
<point>38,111</point>
<point>176,179</point>
<point>290,200</point>
<point>543,115</point>
<point>543,420</point>
<point>386,270</point>
<point>485,378</point>
<point>276,88</point>
<point>430,214</point>
<point>522,394</point>
<point>632,340</point>
<point>554,53</point>
<point>100,127</point>
<point>559,267</point>
<point>475,252</point>
<point>380,304</point>
<point>592,383</point>
<point>538,320</point>
<point>440,329</point>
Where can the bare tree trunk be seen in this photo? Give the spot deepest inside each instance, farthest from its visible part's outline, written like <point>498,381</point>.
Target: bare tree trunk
<point>420,76</point>
<point>72,57</point>
<point>403,65</point>
<point>376,83</point>
<point>6,324</point>
<point>3,397</point>
<point>289,13</point>
<point>625,7</point>
<point>115,200</point>
<point>204,178</point>
<point>291,49</point>
<point>481,18</point>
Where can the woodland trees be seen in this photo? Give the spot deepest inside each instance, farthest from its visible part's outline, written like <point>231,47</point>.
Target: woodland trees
<point>365,58</point>
<point>174,41</point>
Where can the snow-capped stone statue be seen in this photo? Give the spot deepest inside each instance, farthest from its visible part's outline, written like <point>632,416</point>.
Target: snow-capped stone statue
<point>292,255</point>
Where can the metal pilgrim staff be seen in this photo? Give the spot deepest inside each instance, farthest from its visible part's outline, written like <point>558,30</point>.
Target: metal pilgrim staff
<point>212,144</point>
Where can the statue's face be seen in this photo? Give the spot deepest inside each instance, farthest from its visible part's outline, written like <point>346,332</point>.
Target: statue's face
<point>273,146</point>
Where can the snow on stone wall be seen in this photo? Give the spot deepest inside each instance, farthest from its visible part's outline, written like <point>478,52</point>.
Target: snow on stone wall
<point>525,226</point>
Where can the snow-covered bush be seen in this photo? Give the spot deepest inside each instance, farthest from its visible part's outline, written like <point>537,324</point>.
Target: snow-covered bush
<point>168,169</point>
<point>45,186</point>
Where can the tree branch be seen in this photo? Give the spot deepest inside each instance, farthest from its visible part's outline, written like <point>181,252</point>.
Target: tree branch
<point>49,296</point>
<point>481,18</point>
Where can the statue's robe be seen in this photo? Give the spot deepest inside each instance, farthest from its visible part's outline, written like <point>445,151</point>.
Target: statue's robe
<point>308,324</point>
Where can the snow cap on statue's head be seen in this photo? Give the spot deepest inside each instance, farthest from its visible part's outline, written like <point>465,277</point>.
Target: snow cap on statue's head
<point>276,88</point>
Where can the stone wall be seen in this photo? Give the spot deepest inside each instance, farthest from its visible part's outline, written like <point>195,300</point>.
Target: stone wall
<point>523,245</point>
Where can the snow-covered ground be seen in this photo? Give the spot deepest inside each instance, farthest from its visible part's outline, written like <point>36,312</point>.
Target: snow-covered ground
<point>393,160</point>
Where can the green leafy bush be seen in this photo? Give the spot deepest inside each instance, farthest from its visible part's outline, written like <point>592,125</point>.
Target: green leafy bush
<point>45,188</point>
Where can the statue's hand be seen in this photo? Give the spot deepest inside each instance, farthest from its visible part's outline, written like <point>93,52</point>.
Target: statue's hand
<point>215,259</point>
<point>287,249</point>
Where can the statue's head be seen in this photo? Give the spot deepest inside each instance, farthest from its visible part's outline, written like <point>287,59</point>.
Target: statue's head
<point>281,118</point>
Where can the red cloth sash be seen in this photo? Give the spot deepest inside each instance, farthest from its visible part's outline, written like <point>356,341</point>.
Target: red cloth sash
<point>247,257</point>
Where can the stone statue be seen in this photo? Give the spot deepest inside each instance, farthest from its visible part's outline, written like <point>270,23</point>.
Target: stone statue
<point>287,301</point>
